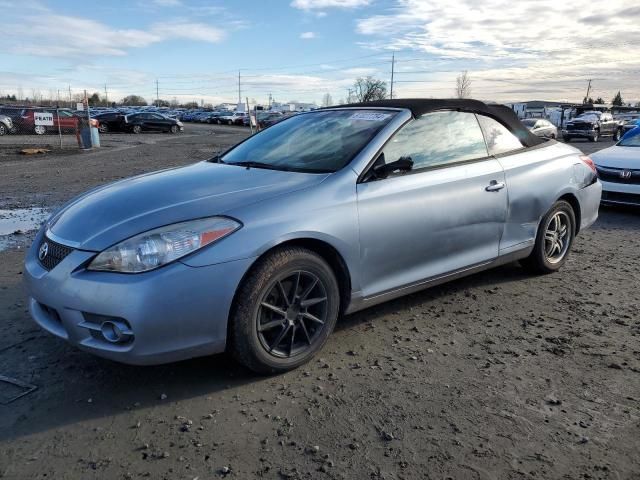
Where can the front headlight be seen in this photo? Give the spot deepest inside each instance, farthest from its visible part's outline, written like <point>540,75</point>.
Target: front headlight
<point>163,245</point>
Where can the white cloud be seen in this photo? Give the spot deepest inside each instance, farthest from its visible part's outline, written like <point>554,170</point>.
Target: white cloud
<point>360,71</point>
<point>168,3</point>
<point>307,35</point>
<point>190,31</point>
<point>513,46</point>
<point>322,4</point>
<point>66,36</point>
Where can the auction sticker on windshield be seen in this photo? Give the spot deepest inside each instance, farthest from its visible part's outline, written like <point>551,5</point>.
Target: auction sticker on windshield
<point>369,116</point>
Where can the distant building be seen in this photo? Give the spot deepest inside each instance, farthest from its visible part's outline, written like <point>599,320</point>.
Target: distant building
<point>533,109</point>
<point>293,106</point>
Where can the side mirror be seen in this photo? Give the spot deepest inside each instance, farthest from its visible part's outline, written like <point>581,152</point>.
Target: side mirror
<point>383,170</point>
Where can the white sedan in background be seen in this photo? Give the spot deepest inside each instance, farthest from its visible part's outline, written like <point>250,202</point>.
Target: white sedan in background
<point>619,170</point>
<point>541,127</point>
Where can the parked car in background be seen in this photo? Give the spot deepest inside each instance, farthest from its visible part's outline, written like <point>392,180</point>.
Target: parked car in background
<point>6,124</point>
<point>593,125</point>
<point>214,117</point>
<point>619,170</point>
<point>14,114</point>
<point>233,118</point>
<point>541,127</point>
<point>260,250</point>
<point>151,122</point>
<point>110,122</point>
<point>63,119</point>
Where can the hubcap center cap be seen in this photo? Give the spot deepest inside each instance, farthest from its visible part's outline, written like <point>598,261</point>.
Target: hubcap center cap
<point>292,313</point>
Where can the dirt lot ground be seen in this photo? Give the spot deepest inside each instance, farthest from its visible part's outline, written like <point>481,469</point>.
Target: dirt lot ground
<point>499,375</point>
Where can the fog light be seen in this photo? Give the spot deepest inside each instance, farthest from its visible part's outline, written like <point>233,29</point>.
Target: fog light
<point>107,329</point>
<point>111,332</point>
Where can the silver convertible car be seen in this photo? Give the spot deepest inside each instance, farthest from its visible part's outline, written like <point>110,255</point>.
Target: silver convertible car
<point>260,250</point>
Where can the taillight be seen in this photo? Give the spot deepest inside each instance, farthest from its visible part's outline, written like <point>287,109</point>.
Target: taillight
<point>587,160</point>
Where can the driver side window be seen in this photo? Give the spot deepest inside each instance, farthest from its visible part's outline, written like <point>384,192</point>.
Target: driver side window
<point>437,139</point>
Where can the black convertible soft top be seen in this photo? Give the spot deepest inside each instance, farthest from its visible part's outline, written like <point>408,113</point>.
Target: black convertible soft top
<point>420,106</point>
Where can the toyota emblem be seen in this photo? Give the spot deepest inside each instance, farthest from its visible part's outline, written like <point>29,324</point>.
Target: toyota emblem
<point>44,251</point>
<point>625,174</point>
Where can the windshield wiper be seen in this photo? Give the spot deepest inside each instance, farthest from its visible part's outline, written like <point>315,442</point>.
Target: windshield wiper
<point>249,165</point>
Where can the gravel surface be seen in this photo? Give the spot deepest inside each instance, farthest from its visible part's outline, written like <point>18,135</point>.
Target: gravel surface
<point>499,375</point>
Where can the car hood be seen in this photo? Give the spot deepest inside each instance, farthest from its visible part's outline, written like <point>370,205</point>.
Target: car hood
<point>112,213</point>
<point>618,157</point>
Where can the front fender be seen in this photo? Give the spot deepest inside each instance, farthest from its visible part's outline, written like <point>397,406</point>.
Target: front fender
<point>326,212</point>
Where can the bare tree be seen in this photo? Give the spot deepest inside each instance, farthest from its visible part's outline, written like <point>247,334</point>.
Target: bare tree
<point>135,100</point>
<point>327,100</point>
<point>463,85</point>
<point>369,89</point>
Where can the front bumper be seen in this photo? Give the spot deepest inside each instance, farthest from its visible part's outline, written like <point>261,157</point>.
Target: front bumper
<point>578,133</point>
<point>173,313</point>
<point>620,193</point>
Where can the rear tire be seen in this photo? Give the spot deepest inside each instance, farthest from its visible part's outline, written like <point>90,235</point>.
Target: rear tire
<point>40,130</point>
<point>284,311</point>
<point>553,241</point>
<point>103,128</point>
<point>3,129</point>
<point>136,129</point>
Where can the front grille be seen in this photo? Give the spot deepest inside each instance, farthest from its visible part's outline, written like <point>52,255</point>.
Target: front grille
<point>55,253</point>
<point>622,198</point>
<point>579,126</point>
<point>619,175</point>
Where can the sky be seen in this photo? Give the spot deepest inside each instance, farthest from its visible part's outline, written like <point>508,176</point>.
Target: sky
<point>300,50</point>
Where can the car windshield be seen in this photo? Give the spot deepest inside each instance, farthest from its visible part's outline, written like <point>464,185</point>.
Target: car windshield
<point>318,142</point>
<point>631,139</point>
<point>589,117</point>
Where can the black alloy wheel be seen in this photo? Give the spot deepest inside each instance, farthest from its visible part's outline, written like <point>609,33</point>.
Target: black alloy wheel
<point>284,310</point>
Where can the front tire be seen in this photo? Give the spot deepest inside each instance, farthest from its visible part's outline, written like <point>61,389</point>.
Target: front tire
<point>103,128</point>
<point>3,129</point>
<point>136,129</point>
<point>284,311</point>
<point>173,129</point>
<point>553,241</point>
<point>40,130</point>
<point>617,135</point>
<point>567,138</point>
<point>595,137</point>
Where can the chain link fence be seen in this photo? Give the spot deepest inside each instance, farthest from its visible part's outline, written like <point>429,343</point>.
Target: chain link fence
<point>42,126</point>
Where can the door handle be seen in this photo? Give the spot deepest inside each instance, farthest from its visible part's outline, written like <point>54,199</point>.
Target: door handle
<point>494,186</point>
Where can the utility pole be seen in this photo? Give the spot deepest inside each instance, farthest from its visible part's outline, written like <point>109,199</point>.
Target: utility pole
<point>239,90</point>
<point>106,95</point>
<point>69,94</point>
<point>393,63</point>
<point>157,94</point>
<point>588,90</point>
